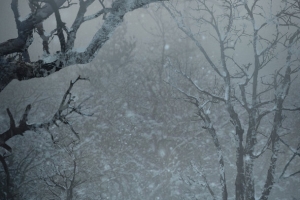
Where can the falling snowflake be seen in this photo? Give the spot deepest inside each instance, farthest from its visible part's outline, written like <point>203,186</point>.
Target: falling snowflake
<point>162,153</point>
<point>247,158</point>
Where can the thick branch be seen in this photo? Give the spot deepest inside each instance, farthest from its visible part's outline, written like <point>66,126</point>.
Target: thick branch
<point>59,25</point>
<point>18,44</point>
<point>43,68</point>
<point>64,110</point>
<point>14,7</point>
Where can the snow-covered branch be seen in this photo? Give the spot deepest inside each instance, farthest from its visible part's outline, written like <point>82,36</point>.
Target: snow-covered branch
<point>66,108</point>
<point>68,56</point>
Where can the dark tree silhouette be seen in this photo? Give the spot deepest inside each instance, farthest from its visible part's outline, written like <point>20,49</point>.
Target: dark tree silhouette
<point>16,63</point>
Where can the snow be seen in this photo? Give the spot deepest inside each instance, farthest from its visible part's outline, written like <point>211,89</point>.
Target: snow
<point>126,147</point>
<point>247,158</point>
<point>49,59</point>
<point>258,52</point>
<point>129,114</point>
<point>162,152</point>
<point>207,111</point>
<point>21,19</point>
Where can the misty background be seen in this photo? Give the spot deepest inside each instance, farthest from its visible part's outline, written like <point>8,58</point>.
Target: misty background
<point>143,137</point>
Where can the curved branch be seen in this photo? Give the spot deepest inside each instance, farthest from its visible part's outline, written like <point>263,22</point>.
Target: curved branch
<point>43,68</point>
<point>64,110</point>
<point>25,28</point>
<point>59,25</point>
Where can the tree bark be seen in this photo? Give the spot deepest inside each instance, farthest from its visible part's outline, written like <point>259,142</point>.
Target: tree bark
<point>23,70</point>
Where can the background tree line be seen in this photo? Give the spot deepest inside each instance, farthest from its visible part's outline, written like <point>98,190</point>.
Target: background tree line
<point>206,108</point>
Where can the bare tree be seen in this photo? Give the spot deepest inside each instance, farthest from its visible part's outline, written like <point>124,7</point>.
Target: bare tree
<point>23,68</point>
<point>269,33</point>
<point>15,61</point>
<point>62,180</point>
<point>21,177</point>
<point>67,108</point>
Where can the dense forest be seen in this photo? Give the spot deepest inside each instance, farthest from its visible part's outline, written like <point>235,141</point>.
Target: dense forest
<point>149,99</point>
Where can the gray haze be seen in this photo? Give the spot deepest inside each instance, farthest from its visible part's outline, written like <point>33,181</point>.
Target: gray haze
<point>145,139</point>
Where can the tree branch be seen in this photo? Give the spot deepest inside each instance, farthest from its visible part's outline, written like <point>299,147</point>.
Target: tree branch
<point>20,43</point>
<point>68,56</point>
